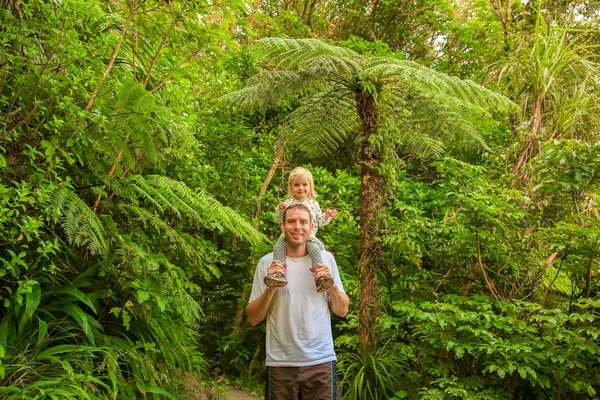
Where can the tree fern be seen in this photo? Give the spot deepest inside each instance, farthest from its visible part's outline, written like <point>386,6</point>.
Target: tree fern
<point>384,104</point>
<point>333,75</point>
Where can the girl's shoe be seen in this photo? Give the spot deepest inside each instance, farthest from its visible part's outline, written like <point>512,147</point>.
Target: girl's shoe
<point>324,283</point>
<point>276,280</point>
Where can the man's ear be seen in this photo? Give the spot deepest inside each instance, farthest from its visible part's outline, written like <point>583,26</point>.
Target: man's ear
<point>282,225</point>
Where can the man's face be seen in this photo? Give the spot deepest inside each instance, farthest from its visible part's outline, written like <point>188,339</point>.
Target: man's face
<point>296,227</point>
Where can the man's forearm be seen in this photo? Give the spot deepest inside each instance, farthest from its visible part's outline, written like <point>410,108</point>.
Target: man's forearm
<point>339,301</point>
<point>257,309</point>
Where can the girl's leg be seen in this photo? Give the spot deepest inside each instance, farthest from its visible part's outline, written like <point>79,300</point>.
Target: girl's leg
<point>277,279</point>
<point>314,251</point>
<point>279,250</point>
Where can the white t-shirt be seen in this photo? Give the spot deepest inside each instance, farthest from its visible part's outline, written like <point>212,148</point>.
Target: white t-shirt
<point>298,320</point>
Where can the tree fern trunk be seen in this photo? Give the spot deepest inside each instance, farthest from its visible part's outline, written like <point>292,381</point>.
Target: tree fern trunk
<point>371,199</point>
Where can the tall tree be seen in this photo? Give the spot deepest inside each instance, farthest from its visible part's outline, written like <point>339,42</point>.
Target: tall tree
<point>375,104</point>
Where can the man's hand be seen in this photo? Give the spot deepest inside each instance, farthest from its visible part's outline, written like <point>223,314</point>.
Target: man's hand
<point>257,309</point>
<point>276,267</point>
<point>281,206</point>
<point>330,213</point>
<point>339,300</point>
<point>320,271</point>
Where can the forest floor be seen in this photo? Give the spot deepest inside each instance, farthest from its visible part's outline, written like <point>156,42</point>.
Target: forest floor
<point>198,391</point>
<point>221,393</point>
<point>236,394</point>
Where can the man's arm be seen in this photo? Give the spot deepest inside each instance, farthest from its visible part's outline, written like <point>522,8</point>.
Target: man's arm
<point>339,301</point>
<point>257,309</point>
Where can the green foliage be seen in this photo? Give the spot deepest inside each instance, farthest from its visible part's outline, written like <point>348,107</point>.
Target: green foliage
<point>568,170</point>
<point>102,245</point>
<point>328,79</point>
<point>123,190</point>
<point>486,349</point>
<point>372,376</point>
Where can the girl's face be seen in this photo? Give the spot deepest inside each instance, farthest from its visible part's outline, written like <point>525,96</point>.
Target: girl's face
<point>300,187</point>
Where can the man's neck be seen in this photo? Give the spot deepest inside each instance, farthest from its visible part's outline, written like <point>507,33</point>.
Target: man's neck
<point>296,252</point>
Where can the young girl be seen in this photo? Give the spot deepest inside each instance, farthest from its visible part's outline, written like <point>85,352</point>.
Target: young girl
<point>301,189</point>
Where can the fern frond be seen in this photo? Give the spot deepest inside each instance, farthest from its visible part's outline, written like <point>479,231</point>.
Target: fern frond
<point>454,92</point>
<point>422,145</point>
<point>321,123</point>
<point>140,115</point>
<point>80,223</point>
<point>293,53</point>
<point>177,197</point>
<point>155,221</point>
<point>421,125</point>
<point>336,65</point>
<point>267,88</point>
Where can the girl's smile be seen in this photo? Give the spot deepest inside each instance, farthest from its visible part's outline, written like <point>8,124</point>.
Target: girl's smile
<point>300,188</point>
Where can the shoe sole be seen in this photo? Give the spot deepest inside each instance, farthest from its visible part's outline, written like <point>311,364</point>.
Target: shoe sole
<point>275,282</point>
<point>324,283</point>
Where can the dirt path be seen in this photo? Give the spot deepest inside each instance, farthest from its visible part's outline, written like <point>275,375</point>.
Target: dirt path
<point>236,394</point>
<point>197,391</point>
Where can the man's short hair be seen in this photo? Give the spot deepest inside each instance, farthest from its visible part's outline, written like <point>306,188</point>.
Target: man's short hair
<point>298,206</point>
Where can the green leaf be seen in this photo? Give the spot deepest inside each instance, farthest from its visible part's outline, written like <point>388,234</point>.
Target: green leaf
<point>65,348</point>
<point>50,150</point>
<point>141,387</point>
<point>142,296</point>
<point>43,329</point>
<point>78,295</point>
<point>157,390</point>
<point>82,319</point>
<point>32,300</point>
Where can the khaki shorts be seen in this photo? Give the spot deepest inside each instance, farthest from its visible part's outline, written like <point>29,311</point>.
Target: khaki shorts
<point>316,382</point>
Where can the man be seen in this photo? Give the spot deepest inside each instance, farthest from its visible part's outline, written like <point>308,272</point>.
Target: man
<point>300,357</point>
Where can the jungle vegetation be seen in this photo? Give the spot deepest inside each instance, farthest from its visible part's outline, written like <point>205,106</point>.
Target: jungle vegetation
<point>144,145</point>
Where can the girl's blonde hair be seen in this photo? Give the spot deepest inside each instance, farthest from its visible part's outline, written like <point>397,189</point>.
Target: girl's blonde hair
<point>301,172</point>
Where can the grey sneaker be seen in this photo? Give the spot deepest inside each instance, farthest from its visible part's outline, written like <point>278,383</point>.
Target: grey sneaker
<point>276,280</point>
<point>324,283</point>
